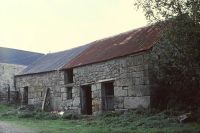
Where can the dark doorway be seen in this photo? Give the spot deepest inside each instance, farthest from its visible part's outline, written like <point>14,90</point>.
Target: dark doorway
<point>108,96</point>
<point>25,95</point>
<point>86,100</point>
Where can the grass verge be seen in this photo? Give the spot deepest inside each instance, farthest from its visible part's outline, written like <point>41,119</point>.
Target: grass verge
<point>142,121</point>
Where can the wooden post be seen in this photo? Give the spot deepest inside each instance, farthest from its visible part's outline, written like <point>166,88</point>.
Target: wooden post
<point>8,86</point>
<point>44,99</point>
<point>47,91</point>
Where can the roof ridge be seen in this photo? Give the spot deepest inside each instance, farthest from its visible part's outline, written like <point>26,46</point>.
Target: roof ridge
<point>20,50</point>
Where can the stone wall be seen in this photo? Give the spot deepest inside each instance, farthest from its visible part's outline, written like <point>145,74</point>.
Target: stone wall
<point>7,72</point>
<point>129,74</point>
<point>38,84</point>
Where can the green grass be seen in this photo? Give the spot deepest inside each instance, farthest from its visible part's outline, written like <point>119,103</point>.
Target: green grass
<point>132,122</point>
<point>4,108</point>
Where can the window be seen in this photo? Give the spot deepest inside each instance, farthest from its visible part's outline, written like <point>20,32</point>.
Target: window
<point>69,92</point>
<point>68,76</point>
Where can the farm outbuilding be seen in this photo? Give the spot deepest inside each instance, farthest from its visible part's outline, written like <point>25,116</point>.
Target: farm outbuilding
<point>44,76</point>
<point>107,74</point>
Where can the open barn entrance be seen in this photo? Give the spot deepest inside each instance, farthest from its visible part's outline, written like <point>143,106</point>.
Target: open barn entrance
<point>25,96</point>
<point>108,96</point>
<point>86,100</point>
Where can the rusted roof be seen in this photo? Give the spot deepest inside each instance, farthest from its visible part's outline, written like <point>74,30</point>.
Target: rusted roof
<point>131,42</point>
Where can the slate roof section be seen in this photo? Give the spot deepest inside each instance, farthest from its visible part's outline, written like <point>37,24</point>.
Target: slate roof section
<point>127,43</point>
<point>19,57</point>
<point>53,61</point>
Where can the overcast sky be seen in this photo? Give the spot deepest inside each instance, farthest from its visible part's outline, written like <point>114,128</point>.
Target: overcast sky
<point>54,25</point>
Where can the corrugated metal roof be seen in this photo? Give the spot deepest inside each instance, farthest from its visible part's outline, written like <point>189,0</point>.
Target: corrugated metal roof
<point>53,61</point>
<point>20,57</point>
<point>134,41</point>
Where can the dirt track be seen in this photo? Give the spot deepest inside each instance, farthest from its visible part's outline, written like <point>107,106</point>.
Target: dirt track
<point>13,128</point>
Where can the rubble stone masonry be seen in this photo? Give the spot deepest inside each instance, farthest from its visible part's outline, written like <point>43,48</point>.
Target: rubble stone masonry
<point>7,72</point>
<point>129,74</point>
<point>37,85</point>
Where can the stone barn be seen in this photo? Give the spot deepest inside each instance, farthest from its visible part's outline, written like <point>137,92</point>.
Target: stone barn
<point>108,74</point>
<point>114,73</point>
<point>44,80</point>
<point>12,61</point>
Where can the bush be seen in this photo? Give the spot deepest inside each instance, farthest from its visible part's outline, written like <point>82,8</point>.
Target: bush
<point>51,116</point>
<point>110,114</point>
<point>41,115</point>
<point>25,114</point>
<point>71,116</point>
<point>27,108</point>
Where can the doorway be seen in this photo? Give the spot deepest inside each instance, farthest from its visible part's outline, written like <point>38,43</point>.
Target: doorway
<point>25,96</point>
<point>86,100</point>
<point>107,96</point>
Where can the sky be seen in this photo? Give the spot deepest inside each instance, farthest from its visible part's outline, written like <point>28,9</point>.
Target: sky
<point>54,25</point>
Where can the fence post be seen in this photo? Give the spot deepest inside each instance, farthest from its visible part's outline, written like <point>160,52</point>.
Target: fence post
<point>8,86</point>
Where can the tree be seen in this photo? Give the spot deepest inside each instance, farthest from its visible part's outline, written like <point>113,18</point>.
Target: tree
<point>159,10</point>
<point>177,73</point>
